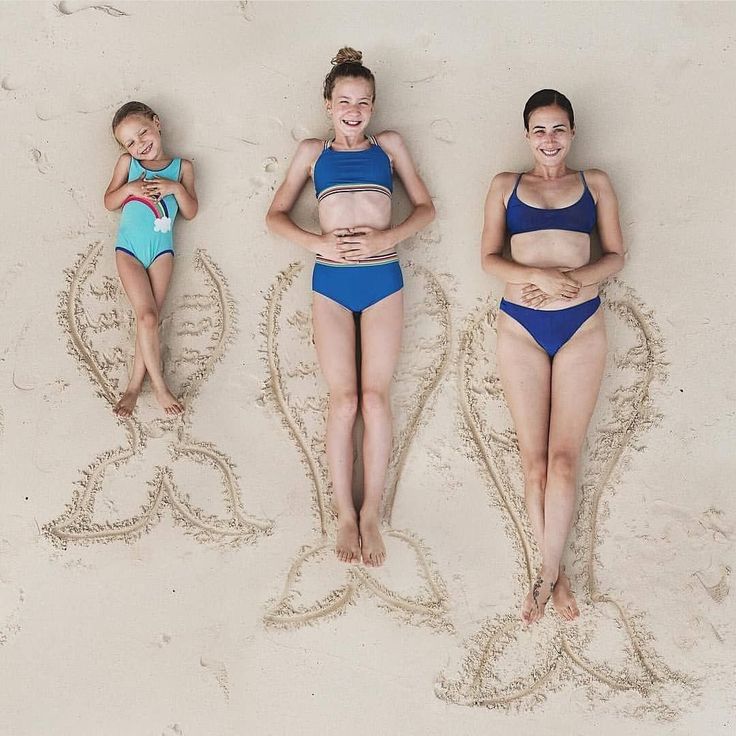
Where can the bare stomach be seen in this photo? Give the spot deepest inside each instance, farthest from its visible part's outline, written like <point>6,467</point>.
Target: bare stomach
<point>551,249</point>
<point>353,210</point>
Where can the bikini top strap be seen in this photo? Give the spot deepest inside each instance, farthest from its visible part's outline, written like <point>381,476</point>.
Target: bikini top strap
<point>373,140</point>
<point>327,144</point>
<point>582,176</point>
<point>516,186</point>
<point>178,169</point>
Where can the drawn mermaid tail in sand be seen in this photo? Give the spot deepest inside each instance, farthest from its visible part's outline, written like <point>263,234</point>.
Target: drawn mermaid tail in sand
<point>606,649</point>
<point>97,321</point>
<point>317,584</point>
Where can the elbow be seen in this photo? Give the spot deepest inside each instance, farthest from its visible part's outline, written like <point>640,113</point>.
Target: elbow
<point>271,218</point>
<point>486,263</point>
<point>431,211</point>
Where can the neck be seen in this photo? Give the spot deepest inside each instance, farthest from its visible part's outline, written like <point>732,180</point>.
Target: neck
<point>350,141</point>
<point>550,172</point>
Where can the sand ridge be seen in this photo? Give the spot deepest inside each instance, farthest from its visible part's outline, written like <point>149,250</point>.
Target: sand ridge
<point>506,665</point>
<point>98,324</point>
<point>294,389</point>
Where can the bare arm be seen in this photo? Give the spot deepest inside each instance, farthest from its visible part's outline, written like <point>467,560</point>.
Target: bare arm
<point>609,229</point>
<point>423,212</point>
<point>278,220</point>
<point>118,190</point>
<point>186,195</point>
<point>494,231</point>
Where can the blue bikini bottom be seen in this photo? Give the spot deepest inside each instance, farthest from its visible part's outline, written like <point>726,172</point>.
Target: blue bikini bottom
<point>357,287</point>
<point>554,327</point>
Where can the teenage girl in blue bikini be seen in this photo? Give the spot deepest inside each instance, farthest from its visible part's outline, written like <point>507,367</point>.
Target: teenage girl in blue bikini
<point>356,272</point>
<point>151,188</point>
<point>551,337</point>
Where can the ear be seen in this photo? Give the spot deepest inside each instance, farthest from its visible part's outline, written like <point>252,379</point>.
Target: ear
<point>157,122</point>
<point>328,106</point>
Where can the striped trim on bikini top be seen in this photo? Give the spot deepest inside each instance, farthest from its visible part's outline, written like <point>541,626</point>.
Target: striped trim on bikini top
<point>367,170</point>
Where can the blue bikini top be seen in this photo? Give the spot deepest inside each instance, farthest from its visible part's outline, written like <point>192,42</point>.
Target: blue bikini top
<point>523,218</point>
<point>367,170</point>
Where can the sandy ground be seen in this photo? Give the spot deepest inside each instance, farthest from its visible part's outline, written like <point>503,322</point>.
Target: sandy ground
<point>162,577</point>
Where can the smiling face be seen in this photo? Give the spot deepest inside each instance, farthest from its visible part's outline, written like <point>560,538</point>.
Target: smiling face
<point>550,135</point>
<point>351,105</point>
<point>140,137</point>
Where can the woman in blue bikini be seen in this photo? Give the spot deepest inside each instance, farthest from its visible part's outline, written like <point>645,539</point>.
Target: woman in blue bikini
<point>551,338</point>
<point>356,272</point>
<point>150,187</point>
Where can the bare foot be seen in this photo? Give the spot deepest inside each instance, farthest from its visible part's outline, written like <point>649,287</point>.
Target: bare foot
<point>563,600</point>
<point>126,404</point>
<point>347,542</point>
<point>536,599</point>
<point>171,406</point>
<point>372,547</point>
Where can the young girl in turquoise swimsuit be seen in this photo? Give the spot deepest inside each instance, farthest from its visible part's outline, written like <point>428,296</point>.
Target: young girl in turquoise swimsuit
<point>151,188</point>
<point>356,275</point>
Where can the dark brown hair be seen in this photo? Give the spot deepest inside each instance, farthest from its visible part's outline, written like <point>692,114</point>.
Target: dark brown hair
<point>132,108</point>
<point>547,98</point>
<point>347,63</point>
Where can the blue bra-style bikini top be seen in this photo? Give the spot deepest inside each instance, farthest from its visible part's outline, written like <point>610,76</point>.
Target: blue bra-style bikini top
<point>367,170</point>
<point>523,218</point>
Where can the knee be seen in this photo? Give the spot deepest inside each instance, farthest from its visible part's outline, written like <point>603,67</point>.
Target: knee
<point>563,464</point>
<point>148,318</point>
<point>344,404</point>
<point>535,476</point>
<point>373,401</point>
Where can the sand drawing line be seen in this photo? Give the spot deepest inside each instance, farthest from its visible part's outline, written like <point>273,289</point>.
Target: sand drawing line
<point>301,404</point>
<point>92,339</point>
<point>505,666</point>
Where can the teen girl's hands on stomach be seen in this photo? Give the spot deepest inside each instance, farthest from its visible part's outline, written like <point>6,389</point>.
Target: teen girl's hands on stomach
<point>363,242</point>
<point>331,245</point>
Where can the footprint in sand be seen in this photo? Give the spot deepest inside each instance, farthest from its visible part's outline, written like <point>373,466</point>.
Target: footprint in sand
<point>317,585</point>
<point>160,464</point>
<point>606,649</point>
<point>69,7</point>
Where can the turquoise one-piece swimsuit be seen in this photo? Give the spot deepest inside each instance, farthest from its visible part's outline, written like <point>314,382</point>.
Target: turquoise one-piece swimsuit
<point>146,225</point>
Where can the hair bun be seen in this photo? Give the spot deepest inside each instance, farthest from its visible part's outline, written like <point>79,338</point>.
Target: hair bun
<point>346,55</point>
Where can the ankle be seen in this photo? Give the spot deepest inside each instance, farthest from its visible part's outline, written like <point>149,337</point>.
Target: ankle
<point>369,515</point>
<point>346,515</point>
<point>549,572</point>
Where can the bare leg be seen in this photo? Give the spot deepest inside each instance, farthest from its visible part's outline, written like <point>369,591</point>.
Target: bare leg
<point>577,371</point>
<point>380,328</point>
<point>138,285</point>
<point>334,337</point>
<point>525,371</point>
<point>159,276</point>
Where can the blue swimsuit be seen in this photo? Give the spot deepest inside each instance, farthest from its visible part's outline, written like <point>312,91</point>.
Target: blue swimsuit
<point>355,286</point>
<point>146,224</point>
<point>551,328</point>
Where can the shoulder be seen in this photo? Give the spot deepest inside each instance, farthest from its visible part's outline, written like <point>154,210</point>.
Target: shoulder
<point>124,161</point>
<point>598,182</point>
<point>503,184</point>
<point>391,140</point>
<point>186,165</point>
<point>308,151</point>
<point>309,147</point>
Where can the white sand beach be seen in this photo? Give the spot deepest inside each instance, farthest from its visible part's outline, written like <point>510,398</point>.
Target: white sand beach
<point>176,577</point>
